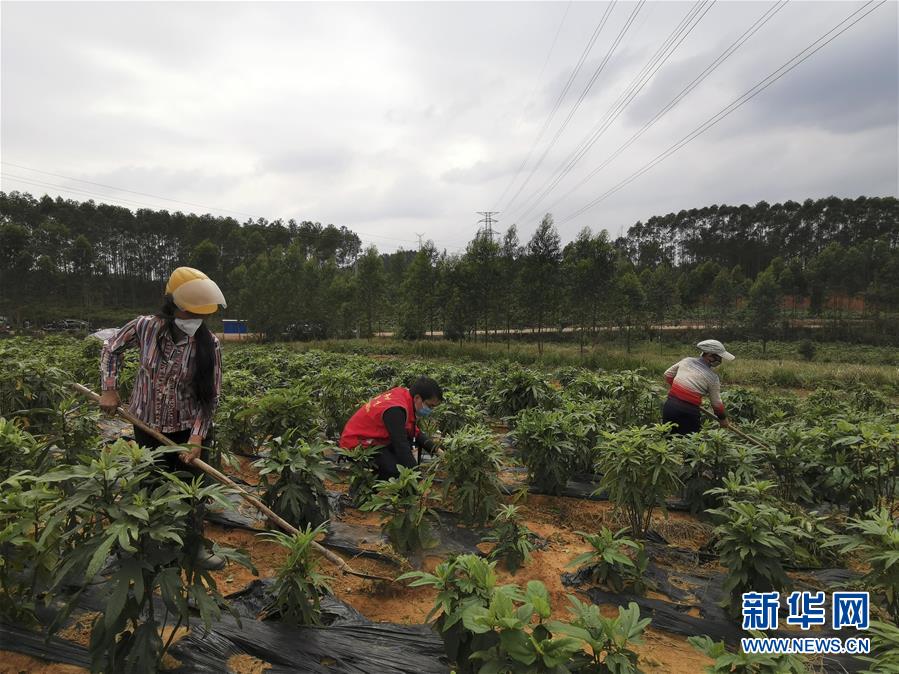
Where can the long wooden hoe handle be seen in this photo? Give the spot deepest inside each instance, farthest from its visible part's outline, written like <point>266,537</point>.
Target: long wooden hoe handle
<point>337,560</point>
<point>732,427</point>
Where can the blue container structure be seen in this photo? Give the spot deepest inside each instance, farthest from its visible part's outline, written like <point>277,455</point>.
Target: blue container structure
<point>233,326</point>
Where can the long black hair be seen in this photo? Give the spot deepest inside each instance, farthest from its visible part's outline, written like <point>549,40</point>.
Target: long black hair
<point>204,373</point>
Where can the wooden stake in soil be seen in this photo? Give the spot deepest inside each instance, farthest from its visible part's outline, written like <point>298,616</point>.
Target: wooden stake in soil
<point>335,559</point>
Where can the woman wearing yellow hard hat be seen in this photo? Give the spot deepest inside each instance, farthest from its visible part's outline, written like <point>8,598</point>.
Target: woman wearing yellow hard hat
<point>177,386</point>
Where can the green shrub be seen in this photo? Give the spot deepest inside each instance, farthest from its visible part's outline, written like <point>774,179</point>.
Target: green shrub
<point>640,469</point>
<point>340,394</point>
<point>457,411</point>
<point>884,655</point>
<point>543,439</point>
<point>282,410</point>
<point>299,584</point>
<point>403,502</point>
<point>472,460</point>
<point>753,541</point>
<point>299,469</point>
<point>517,389</point>
<point>806,349</point>
<point>145,524</point>
<point>616,561</point>
<point>708,457</point>
<point>19,449</point>
<point>512,540</point>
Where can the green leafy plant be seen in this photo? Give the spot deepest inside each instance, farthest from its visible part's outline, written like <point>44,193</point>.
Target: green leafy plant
<point>340,394</point>
<point>745,663</point>
<point>460,581</point>
<point>524,643</point>
<point>300,584</point>
<point>297,492</point>
<point>708,457</point>
<point>544,442</point>
<point>640,469</point>
<point>472,460</point>
<point>19,449</point>
<point>615,561</point>
<point>123,507</point>
<point>609,639</point>
<point>884,657</point>
<point>403,502</point>
<point>876,537</point>
<point>281,410</point>
<point>753,541</point>
<point>457,411</point>
<point>362,472</point>
<point>518,389</point>
<point>512,540</point>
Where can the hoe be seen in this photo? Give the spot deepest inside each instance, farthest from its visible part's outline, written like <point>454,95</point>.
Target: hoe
<point>335,559</point>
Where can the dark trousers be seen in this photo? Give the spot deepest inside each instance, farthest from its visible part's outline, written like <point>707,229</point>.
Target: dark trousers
<point>683,415</point>
<point>387,460</point>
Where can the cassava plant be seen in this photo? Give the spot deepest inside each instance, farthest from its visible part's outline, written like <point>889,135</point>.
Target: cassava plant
<point>293,475</point>
<point>127,509</point>
<point>511,539</point>
<point>616,561</point>
<point>472,460</point>
<point>543,440</point>
<point>609,640</point>
<point>403,504</point>
<point>640,469</point>
<point>299,585</point>
<point>362,472</point>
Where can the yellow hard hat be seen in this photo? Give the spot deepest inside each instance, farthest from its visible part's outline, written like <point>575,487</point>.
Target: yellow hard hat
<point>193,291</point>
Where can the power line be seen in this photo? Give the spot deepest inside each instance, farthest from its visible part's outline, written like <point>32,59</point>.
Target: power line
<point>122,189</point>
<point>735,104</point>
<point>692,19</point>
<point>596,73</point>
<point>561,97</point>
<point>530,98</point>
<point>107,198</point>
<point>727,53</point>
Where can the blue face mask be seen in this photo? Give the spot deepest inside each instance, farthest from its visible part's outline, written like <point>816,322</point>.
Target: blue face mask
<point>424,411</point>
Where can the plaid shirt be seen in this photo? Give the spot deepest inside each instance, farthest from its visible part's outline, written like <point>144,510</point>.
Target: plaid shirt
<point>163,396</point>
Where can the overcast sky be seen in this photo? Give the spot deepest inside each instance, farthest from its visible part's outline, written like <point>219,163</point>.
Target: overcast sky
<point>402,118</point>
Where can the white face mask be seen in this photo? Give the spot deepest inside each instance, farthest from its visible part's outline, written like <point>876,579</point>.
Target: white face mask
<point>189,325</point>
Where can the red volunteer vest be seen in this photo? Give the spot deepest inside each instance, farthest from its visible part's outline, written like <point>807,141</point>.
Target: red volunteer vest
<point>366,426</point>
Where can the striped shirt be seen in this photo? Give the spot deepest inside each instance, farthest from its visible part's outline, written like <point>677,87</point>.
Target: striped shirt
<point>164,397</point>
<point>692,378</point>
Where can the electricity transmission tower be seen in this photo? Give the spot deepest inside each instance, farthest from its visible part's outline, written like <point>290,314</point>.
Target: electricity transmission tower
<point>488,221</point>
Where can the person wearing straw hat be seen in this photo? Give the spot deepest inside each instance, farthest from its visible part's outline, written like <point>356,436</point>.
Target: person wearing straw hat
<point>690,379</point>
<point>177,386</point>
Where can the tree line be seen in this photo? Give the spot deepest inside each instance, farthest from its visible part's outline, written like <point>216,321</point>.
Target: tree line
<point>746,267</point>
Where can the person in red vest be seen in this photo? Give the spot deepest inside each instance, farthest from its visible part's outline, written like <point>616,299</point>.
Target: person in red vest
<point>389,421</point>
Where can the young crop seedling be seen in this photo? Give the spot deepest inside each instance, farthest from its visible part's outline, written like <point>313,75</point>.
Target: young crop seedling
<point>403,502</point>
<point>616,561</point>
<point>461,581</point>
<point>543,439</point>
<point>300,584</point>
<point>726,662</point>
<point>362,472</point>
<point>299,469</point>
<point>282,410</point>
<point>609,639</point>
<point>472,460</point>
<point>457,411</point>
<point>884,657</point>
<point>518,389</point>
<point>640,469</point>
<point>523,641</point>
<point>512,540</point>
